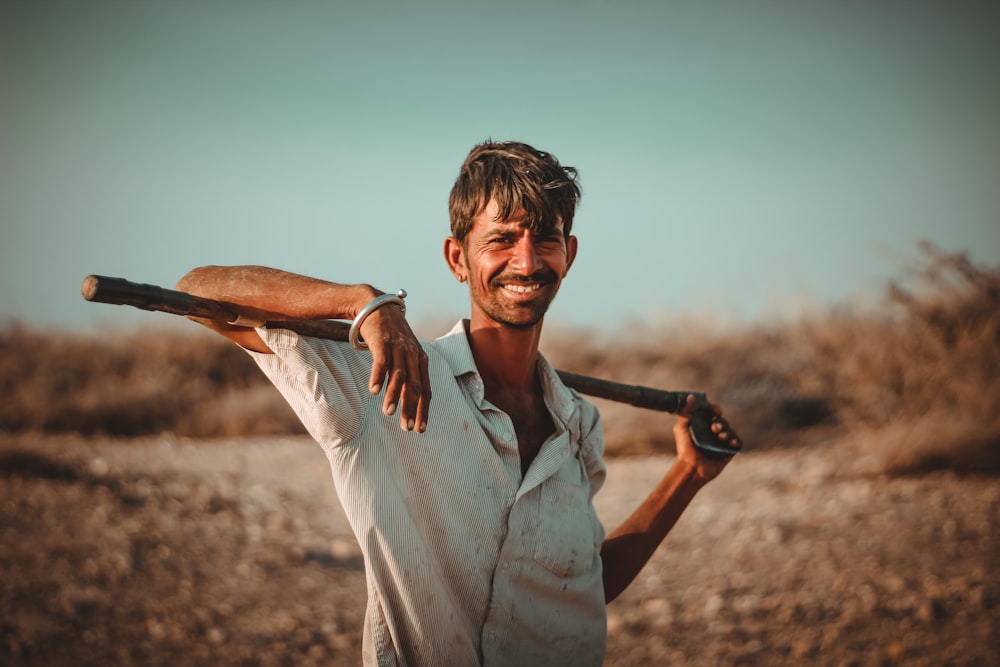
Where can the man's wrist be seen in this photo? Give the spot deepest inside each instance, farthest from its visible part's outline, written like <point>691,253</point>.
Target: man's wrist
<point>354,336</point>
<point>689,474</point>
<point>363,295</point>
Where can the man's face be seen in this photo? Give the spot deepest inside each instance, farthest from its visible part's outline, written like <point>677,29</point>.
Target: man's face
<point>513,272</point>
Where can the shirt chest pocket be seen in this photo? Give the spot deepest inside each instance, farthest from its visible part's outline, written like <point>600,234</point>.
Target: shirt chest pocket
<point>566,541</point>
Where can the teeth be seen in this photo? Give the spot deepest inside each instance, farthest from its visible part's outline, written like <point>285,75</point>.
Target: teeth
<point>522,289</point>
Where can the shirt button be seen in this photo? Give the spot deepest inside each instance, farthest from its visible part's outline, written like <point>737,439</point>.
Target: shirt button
<point>508,436</point>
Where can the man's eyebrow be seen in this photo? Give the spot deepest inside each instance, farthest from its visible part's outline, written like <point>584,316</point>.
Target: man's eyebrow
<point>506,227</point>
<point>502,228</point>
<point>500,231</point>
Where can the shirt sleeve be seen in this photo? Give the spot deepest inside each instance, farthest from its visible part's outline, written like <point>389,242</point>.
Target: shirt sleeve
<point>324,381</point>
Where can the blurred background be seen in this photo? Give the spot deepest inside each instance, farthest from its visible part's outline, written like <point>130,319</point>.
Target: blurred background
<point>791,206</point>
<point>737,159</point>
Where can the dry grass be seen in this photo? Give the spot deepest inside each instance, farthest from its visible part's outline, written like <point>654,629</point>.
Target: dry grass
<point>135,384</point>
<point>914,384</point>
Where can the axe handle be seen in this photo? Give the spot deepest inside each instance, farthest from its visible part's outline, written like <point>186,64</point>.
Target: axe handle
<point>104,289</point>
<point>118,291</point>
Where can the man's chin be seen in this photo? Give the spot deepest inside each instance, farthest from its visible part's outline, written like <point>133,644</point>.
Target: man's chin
<point>523,313</point>
<point>520,318</point>
<point>524,325</point>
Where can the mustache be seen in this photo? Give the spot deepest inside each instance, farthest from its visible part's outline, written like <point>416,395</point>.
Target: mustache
<point>543,277</point>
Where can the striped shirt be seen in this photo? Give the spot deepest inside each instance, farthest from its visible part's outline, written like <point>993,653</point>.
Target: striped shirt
<point>466,561</point>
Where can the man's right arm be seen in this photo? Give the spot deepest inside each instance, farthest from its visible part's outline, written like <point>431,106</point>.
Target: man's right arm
<point>272,294</point>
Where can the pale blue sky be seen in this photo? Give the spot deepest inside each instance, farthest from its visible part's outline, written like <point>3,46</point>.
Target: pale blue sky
<point>743,158</point>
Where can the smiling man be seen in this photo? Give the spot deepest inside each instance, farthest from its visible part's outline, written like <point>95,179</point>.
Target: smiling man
<point>474,512</point>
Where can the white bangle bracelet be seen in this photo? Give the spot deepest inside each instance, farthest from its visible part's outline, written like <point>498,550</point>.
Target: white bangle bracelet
<point>354,336</point>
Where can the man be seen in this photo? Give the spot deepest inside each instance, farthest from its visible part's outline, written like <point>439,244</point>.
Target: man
<point>474,512</point>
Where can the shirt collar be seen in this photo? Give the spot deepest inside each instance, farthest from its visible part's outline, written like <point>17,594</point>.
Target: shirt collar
<point>560,399</point>
<point>454,347</point>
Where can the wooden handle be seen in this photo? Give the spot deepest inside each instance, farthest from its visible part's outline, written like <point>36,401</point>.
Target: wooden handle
<point>119,291</point>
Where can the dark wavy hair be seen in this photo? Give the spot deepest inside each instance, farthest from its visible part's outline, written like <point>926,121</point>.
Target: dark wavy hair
<point>519,177</point>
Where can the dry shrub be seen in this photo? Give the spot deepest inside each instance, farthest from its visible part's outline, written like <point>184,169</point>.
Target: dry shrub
<point>921,380</point>
<point>966,441</point>
<point>918,378</point>
<point>135,384</point>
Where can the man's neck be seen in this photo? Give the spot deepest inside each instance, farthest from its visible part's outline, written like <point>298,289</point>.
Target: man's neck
<point>506,357</point>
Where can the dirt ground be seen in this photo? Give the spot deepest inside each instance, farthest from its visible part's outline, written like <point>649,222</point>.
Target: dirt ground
<point>170,552</point>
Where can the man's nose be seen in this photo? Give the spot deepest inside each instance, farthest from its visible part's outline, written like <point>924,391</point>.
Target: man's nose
<point>526,256</point>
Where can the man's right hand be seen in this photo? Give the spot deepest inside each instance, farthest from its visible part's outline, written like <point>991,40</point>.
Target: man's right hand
<point>399,360</point>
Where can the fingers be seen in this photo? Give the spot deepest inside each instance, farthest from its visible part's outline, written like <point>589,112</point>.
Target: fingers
<point>400,362</point>
<point>394,384</point>
<point>691,405</point>
<point>688,407</point>
<point>380,366</point>
<point>724,433</point>
<point>424,399</point>
<point>407,388</point>
<point>415,391</point>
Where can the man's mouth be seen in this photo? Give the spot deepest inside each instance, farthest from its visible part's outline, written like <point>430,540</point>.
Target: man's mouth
<point>519,284</point>
<point>521,288</point>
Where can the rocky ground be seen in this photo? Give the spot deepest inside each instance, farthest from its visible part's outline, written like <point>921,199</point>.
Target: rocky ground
<point>166,552</point>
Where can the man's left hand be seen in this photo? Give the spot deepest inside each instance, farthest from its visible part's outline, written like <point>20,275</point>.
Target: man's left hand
<point>705,467</point>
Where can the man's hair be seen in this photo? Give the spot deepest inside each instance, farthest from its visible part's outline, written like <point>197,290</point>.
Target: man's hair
<point>518,177</point>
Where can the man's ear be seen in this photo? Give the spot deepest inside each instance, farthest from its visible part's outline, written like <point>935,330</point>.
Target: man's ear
<point>571,245</point>
<point>454,254</point>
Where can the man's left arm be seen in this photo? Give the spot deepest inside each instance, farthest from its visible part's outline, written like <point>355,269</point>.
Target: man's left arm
<point>627,550</point>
